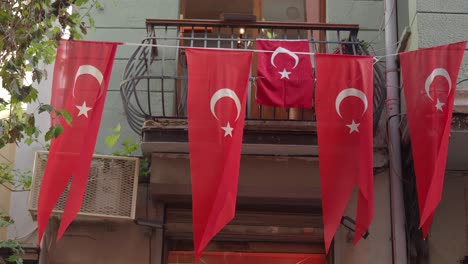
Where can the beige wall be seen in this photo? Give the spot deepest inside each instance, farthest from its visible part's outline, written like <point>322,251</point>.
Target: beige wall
<point>369,16</point>
<point>438,22</point>
<point>377,248</point>
<point>124,21</point>
<point>280,174</point>
<point>103,243</point>
<point>262,177</point>
<point>7,154</point>
<point>448,235</point>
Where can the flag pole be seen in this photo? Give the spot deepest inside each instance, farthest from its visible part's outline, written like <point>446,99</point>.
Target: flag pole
<point>393,121</point>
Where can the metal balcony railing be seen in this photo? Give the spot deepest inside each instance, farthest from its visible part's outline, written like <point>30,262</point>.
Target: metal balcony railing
<point>155,78</point>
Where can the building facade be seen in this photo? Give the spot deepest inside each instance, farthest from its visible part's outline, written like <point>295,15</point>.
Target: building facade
<point>433,23</point>
<point>279,208</point>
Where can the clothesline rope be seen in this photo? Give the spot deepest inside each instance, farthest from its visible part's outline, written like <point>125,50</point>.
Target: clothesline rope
<point>376,58</point>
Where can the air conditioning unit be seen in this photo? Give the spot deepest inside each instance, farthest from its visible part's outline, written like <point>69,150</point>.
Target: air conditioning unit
<point>111,190</point>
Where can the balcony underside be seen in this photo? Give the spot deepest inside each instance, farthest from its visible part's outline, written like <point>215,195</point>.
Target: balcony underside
<point>261,137</point>
<point>248,198</point>
<point>279,183</point>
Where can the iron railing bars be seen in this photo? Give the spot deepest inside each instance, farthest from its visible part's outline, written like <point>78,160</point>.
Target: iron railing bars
<point>206,33</point>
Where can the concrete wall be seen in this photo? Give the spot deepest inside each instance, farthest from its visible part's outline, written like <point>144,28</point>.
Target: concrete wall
<point>448,234</point>
<point>269,181</point>
<point>121,20</point>
<point>24,225</point>
<point>103,243</point>
<point>124,21</point>
<point>432,23</point>
<point>369,16</point>
<point>7,155</point>
<point>174,169</point>
<point>377,248</point>
<point>437,22</point>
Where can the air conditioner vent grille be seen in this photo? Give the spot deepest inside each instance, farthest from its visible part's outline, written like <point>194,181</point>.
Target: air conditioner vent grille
<point>110,191</point>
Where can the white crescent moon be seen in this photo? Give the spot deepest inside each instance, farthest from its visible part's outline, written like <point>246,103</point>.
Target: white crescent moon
<point>221,93</point>
<point>437,72</point>
<point>286,51</point>
<point>350,92</point>
<point>91,70</point>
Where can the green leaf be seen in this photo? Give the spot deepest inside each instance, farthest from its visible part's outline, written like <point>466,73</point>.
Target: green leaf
<point>98,6</point>
<point>83,29</point>
<point>37,75</point>
<point>68,118</point>
<point>91,22</point>
<point>75,34</point>
<point>28,141</point>
<point>15,259</point>
<point>30,120</point>
<point>4,16</point>
<point>144,167</point>
<point>117,128</point>
<point>13,245</point>
<point>29,35</point>
<point>53,132</point>
<point>112,140</point>
<point>55,30</point>
<point>117,153</point>
<point>129,146</point>
<point>80,2</point>
<point>32,96</point>
<point>5,221</point>
<point>45,108</point>
<point>30,130</point>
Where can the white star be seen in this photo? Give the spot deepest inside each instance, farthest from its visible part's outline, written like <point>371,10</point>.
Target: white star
<point>227,130</point>
<point>83,109</point>
<point>353,127</point>
<point>284,74</point>
<point>439,105</point>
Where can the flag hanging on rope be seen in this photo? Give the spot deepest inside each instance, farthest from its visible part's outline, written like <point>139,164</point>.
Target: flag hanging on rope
<point>285,76</point>
<point>217,94</point>
<point>81,77</point>
<point>429,80</point>
<point>344,119</point>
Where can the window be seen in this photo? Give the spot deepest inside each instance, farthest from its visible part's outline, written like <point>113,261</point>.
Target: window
<point>264,10</point>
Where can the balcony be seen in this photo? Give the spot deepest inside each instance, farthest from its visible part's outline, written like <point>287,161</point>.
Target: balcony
<point>154,86</point>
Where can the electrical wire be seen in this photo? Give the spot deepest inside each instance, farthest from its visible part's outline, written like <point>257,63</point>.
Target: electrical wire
<point>234,49</point>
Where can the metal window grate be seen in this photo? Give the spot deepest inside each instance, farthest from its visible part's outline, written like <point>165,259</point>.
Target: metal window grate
<point>110,192</point>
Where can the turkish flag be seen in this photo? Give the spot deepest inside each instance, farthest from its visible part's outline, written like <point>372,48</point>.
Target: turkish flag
<point>429,79</point>
<point>217,94</point>
<point>285,76</point>
<point>344,126</point>
<point>81,76</point>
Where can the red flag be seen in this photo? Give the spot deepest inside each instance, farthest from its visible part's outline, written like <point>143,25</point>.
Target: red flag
<point>429,78</point>
<point>81,76</point>
<point>285,79</point>
<point>344,116</point>
<point>217,97</point>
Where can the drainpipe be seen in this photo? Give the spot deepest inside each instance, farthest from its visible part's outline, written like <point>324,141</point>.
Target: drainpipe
<point>393,121</point>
